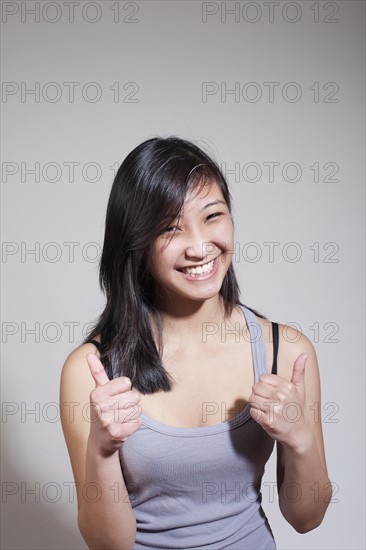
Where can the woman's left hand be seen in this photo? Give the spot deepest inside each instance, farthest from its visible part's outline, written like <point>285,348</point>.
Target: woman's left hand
<point>279,406</point>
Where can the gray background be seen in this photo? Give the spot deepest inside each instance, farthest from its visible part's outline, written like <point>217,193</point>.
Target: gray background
<point>168,50</point>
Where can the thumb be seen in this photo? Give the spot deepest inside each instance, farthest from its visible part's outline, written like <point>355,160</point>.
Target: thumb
<point>97,370</point>
<point>298,372</point>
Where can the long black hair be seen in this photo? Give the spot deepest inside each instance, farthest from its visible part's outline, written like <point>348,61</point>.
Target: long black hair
<point>147,195</point>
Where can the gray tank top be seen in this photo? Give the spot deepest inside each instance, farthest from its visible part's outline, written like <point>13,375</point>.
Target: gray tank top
<point>199,488</point>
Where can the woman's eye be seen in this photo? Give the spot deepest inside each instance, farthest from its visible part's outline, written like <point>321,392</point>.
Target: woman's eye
<point>214,215</point>
<point>175,228</point>
<point>170,229</point>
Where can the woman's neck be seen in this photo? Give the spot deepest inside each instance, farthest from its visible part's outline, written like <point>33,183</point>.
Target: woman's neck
<point>189,321</point>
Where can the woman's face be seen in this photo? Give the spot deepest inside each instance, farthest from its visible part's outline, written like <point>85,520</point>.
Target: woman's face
<point>203,236</point>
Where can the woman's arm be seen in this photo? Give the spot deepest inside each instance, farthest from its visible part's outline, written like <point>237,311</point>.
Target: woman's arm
<point>105,516</point>
<point>303,463</point>
<point>287,406</point>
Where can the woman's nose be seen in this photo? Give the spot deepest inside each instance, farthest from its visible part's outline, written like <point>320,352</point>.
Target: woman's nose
<point>198,245</point>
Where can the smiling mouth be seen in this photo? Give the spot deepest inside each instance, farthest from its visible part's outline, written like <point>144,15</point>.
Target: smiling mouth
<point>199,270</point>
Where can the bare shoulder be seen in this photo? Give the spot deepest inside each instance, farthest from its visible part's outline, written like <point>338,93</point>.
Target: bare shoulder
<point>80,352</point>
<point>291,343</point>
<point>75,374</point>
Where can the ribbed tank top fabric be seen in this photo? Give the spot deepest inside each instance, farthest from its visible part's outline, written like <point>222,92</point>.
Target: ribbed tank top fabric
<point>199,488</point>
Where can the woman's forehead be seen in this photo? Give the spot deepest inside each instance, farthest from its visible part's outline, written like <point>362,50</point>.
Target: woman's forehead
<point>202,192</point>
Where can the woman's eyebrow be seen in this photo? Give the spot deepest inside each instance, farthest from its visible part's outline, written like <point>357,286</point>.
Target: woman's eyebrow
<point>219,201</point>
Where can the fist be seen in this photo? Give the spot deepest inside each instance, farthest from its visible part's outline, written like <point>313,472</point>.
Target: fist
<point>278,405</point>
<point>115,412</point>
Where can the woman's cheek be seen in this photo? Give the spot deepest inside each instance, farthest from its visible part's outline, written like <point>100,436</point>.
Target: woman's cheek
<point>225,239</point>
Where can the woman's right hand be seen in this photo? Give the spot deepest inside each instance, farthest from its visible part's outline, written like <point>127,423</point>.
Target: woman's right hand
<point>115,413</point>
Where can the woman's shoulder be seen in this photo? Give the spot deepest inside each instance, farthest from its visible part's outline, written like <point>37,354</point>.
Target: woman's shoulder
<point>81,350</point>
<point>289,337</point>
<point>291,343</point>
<point>75,370</point>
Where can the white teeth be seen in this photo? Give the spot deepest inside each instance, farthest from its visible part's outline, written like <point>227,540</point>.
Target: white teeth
<point>206,268</point>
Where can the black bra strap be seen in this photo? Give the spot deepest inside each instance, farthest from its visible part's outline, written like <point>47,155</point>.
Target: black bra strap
<point>96,343</point>
<point>275,347</point>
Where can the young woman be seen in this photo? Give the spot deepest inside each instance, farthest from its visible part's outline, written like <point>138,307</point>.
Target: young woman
<point>189,389</point>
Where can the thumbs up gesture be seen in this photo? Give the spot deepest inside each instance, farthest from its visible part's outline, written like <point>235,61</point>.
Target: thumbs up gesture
<point>279,406</point>
<point>115,413</point>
